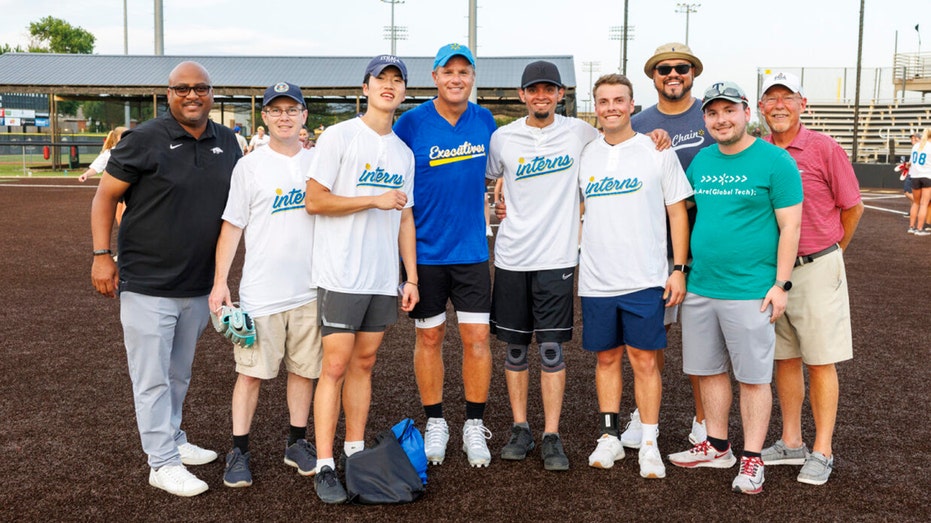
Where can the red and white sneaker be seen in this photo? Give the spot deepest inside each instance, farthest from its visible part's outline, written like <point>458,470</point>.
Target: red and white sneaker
<point>703,455</point>
<point>750,478</point>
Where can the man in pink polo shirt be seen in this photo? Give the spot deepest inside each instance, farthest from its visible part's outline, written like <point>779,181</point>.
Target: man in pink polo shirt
<point>815,329</point>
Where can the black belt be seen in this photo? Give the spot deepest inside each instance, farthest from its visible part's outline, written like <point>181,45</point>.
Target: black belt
<point>802,260</point>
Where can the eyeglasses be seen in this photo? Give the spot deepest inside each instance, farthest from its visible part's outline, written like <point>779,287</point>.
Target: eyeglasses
<point>294,110</point>
<point>666,69</point>
<point>184,90</point>
<point>718,90</point>
<point>770,101</point>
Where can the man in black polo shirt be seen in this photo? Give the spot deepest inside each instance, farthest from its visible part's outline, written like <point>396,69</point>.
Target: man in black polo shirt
<point>173,172</point>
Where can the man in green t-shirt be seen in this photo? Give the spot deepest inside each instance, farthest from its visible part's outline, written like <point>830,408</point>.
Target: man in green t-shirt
<point>749,199</point>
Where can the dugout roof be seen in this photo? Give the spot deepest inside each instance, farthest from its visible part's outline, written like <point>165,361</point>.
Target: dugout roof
<point>322,78</point>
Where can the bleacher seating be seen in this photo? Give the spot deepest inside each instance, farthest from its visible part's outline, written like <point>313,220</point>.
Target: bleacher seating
<point>879,122</point>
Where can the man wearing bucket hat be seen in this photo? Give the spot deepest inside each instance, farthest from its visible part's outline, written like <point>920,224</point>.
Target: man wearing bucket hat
<point>266,206</point>
<point>449,137</point>
<point>830,215</point>
<point>673,69</point>
<point>359,187</point>
<point>749,198</point>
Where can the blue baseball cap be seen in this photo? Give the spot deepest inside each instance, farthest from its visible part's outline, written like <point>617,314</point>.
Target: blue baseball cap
<point>384,61</point>
<point>283,89</point>
<point>450,50</point>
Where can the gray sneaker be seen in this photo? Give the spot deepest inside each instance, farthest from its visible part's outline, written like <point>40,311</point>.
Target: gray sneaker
<point>328,487</point>
<point>816,470</point>
<point>519,445</point>
<point>554,457</point>
<point>302,456</point>
<point>237,472</point>
<point>780,454</point>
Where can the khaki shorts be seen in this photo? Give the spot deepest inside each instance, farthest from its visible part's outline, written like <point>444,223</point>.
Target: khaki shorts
<point>292,336</point>
<point>816,325</point>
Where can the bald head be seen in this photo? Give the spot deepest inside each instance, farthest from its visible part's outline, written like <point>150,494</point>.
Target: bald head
<point>190,96</point>
<point>188,68</point>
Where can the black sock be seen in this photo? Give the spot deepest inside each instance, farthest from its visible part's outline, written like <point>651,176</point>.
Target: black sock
<point>475,410</point>
<point>434,411</point>
<point>296,433</point>
<point>748,454</point>
<point>609,423</point>
<point>241,443</point>
<point>719,444</point>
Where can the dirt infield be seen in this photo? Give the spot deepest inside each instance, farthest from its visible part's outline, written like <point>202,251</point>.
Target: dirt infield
<point>69,449</point>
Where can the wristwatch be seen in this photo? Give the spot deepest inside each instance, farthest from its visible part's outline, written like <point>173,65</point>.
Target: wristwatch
<point>784,285</point>
<point>684,268</point>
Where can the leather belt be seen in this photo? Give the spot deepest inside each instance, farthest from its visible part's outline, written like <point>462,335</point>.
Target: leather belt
<point>802,260</point>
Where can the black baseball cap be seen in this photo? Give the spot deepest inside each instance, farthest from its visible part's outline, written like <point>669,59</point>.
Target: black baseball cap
<point>540,72</point>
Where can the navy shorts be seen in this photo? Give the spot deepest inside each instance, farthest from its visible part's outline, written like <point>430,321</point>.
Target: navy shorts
<point>634,319</point>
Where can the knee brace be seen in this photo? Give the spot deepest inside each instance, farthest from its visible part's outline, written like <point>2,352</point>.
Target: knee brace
<point>551,357</point>
<point>516,358</point>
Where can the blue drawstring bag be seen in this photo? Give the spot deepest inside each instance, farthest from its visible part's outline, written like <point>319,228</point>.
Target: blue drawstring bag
<point>412,442</point>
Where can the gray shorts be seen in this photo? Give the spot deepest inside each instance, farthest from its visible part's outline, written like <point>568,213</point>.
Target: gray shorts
<point>717,332</point>
<point>344,312</point>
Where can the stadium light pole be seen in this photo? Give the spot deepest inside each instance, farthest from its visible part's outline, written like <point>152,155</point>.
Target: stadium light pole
<point>590,68</point>
<point>393,32</point>
<point>126,115</point>
<point>473,42</point>
<point>688,9</point>
<point>856,99</point>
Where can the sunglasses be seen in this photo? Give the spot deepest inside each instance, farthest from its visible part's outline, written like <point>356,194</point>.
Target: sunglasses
<point>719,89</point>
<point>666,69</point>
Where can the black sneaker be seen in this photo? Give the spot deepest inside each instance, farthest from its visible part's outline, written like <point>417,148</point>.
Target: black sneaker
<point>302,456</point>
<point>328,487</point>
<point>554,457</point>
<point>237,472</point>
<point>519,445</point>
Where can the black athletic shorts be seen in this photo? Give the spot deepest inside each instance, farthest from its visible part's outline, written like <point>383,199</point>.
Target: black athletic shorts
<point>468,286</point>
<point>524,302</point>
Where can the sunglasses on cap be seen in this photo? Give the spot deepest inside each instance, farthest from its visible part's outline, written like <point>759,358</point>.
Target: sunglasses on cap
<point>718,89</point>
<point>666,69</point>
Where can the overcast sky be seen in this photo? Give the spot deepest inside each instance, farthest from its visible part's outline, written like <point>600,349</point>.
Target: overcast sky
<point>733,38</point>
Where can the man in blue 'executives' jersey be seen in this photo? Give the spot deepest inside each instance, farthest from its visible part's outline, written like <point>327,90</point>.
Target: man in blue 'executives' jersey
<point>449,137</point>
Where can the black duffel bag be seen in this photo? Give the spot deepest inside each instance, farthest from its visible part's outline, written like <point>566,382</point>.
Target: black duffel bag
<point>382,474</point>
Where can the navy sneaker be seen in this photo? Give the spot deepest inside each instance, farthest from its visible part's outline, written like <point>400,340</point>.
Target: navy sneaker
<point>237,472</point>
<point>519,445</point>
<point>302,456</point>
<point>554,457</point>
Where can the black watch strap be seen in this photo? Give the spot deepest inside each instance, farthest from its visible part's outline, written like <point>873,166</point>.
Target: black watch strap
<point>684,268</point>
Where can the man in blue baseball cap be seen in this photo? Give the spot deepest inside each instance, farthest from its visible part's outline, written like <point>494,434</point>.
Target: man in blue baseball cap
<point>449,137</point>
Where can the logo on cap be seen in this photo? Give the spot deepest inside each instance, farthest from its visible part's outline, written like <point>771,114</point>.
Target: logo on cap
<point>281,87</point>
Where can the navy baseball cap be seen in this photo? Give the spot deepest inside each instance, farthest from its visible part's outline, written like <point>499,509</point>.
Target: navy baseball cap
<point>384,61</point>
<point>283,89</point>
<point>540,72</point>
<point>450,50</point>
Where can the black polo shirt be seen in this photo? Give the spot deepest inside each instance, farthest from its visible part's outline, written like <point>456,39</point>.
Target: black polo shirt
<point>177,193</point>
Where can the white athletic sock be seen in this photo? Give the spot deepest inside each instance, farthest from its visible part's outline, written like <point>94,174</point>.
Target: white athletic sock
<point>351,447</point>
<point>650,433</point>
<point>328,462</point>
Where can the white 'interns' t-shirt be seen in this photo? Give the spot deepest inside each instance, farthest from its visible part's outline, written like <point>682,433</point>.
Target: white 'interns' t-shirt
<point>626,189</point>
<point>266,199</point>
<point>358,253</point>
<point>540,170</point>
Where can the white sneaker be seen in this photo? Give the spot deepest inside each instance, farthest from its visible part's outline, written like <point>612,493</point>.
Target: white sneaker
<point>651,463</point>
<point>193,455</point>
<point>634,432</point>
<point>699,432</point>
<point>435,439</point>
<point>176,480</point>
<point>919,232</point>
<point>608,451</point>
<point>474,435</point>
<point>489,232</point>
